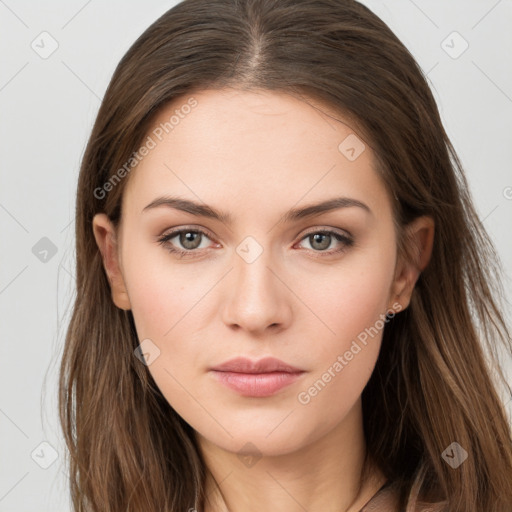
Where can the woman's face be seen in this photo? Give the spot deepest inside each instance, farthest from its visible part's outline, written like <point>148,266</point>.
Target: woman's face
<point>269,274</point>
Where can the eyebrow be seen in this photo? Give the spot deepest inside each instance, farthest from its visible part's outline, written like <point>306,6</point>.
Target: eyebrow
<point>203,210</point>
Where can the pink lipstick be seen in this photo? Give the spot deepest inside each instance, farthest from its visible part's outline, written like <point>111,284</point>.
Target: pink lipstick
<point>261,378</point>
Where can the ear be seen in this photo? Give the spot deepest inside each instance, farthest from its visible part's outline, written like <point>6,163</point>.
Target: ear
<point>418,241</point>
<point>106,239</point>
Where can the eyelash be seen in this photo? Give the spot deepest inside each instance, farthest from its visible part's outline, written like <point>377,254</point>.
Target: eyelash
<point>346,240</point>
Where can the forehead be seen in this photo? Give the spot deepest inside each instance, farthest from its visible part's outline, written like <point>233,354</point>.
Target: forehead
<point>264,146</point>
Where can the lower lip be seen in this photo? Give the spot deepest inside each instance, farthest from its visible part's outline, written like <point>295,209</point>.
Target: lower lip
<point>256,384</point>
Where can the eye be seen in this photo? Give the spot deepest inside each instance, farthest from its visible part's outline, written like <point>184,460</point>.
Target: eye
<point>320,241</point>
<point>189,239</point>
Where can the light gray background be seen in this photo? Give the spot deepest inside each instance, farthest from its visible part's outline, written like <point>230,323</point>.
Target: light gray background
<point>48,106</point>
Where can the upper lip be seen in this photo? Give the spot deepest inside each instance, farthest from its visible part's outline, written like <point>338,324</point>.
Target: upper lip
<point>265,365</point>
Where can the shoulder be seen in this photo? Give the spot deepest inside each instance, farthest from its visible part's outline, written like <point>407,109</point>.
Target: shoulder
<point>386,500</point>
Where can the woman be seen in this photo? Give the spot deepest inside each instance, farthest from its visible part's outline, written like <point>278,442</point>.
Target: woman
<point>283,289</point>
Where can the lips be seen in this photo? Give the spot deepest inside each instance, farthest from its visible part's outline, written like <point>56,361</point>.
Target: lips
<point>265,365</point>
<point>256,379</point>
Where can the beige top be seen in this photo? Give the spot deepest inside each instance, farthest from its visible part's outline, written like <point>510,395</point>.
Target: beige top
<point>386,500</point>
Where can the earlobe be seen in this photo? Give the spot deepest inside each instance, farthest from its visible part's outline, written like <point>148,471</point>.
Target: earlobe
<point>419,242</point>
<point>106,240</point>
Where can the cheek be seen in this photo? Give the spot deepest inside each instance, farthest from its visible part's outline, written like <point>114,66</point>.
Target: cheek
<point>352,300</point>
<point>164,296</point>
<point>168,306</point>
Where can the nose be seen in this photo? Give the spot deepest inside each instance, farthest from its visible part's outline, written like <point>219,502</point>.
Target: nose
<point>258,298</point>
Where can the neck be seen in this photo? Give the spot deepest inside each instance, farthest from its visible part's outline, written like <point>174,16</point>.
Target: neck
<point>323,475</point>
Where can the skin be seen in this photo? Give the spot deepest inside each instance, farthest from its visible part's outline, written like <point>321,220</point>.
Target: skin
<point>256,155</point>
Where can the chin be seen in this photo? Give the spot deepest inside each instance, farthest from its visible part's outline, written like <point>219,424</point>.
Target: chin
<point>272,441</point>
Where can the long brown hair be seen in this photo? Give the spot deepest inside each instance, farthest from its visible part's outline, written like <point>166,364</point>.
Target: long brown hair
<point>128,449</point>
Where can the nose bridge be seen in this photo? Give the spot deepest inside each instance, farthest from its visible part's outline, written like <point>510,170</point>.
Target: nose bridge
<point>257,298</point>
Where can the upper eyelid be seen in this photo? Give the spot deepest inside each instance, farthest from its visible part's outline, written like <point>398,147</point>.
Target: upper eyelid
<point>338,231</point>
<point>210,234</point>
<point>179,230</point>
